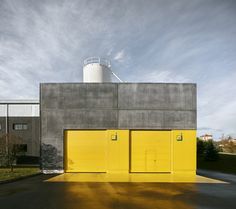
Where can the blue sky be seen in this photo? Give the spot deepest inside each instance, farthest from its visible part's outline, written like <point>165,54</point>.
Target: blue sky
<point>146,41</point>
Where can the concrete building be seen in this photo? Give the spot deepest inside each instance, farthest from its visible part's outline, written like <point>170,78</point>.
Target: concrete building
<point>118,127</point>
<point>21,119</point>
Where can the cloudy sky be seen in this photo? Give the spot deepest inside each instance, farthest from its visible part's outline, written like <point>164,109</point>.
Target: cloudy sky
<point>146,41</point>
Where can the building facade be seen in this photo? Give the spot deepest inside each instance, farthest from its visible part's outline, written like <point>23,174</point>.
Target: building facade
<point>206,137</point>
<point>118,127</point>
<point>21,119</point>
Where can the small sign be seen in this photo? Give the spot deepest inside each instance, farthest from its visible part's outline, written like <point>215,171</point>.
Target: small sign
<point>114,137</point>
<point>179,137</point>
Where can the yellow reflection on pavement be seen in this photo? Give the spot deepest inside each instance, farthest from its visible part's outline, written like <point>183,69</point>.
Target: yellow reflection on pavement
<point>132,177</point>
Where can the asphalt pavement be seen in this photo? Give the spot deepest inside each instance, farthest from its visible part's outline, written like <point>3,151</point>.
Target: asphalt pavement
<point>37,193</point>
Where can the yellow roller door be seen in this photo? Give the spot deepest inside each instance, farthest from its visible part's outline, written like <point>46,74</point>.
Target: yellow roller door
<point>150,151</point>
<point>85,150</point>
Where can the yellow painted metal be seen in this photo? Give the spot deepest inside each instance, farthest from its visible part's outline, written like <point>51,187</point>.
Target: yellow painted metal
<point>118,151</point>
<point>123,151</point>
<point>86,151</point>
<point>184,151</point>
<point>150,151</point>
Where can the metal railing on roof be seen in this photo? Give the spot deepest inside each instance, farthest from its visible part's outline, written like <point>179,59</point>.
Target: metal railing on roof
<point>99,60</point>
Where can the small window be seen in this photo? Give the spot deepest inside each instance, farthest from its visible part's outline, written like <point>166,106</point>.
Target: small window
<point>20,126</point>
<point>20,148</point>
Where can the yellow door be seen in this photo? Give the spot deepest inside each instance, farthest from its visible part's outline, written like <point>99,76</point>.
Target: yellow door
<point>150,151</point>
<point>85,151</point>
<point>151,160</point>
<point>118,151</point>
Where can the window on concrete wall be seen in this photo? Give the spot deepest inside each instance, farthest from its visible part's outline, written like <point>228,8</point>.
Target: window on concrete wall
<point>20,148</point>
<point>20,126</point>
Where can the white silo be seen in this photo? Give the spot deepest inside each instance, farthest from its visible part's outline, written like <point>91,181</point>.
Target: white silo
<point>97,70</point>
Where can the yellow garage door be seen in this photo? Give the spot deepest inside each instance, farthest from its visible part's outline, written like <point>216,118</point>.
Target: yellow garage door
<point>150,151</point>
<point>85,151</point>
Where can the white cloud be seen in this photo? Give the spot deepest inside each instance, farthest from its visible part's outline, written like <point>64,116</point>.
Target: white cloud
<point>217,106</point>
<point>109,52</point>
<point>119,56</point>
<point>159,75</point>
<point>188,41</point>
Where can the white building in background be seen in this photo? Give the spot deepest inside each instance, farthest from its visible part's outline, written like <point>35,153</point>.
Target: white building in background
<point>206,137</point>
<point>22,119</point>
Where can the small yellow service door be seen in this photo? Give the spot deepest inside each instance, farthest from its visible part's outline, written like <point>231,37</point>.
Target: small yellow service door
<point>85,150</point>
<point>150,151</point>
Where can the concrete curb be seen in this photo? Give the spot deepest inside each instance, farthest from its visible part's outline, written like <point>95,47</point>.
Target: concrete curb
<point>19,178</point>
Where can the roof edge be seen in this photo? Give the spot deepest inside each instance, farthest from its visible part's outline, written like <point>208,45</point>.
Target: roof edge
<point>19,101</point>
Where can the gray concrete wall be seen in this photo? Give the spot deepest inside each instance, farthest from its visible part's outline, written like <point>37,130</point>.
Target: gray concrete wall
<point>111,106</point>
<point>29,136</point>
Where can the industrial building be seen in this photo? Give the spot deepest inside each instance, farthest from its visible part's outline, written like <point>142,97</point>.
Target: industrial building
<point>100,126</point>
<point>21,119</point>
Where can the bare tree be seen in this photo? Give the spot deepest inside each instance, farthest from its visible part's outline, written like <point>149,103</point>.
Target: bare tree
<point>10,148</point>
<point>228,145</point>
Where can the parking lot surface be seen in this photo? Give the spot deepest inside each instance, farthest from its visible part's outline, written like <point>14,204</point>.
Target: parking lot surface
<point>40,193</point>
